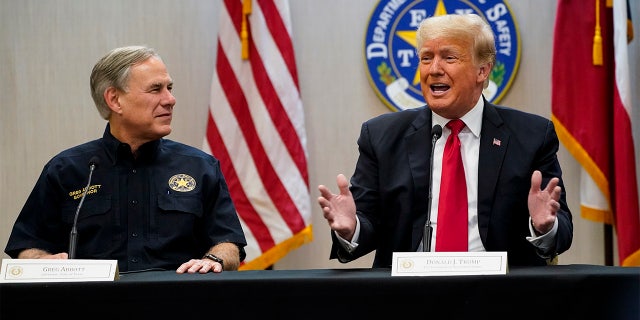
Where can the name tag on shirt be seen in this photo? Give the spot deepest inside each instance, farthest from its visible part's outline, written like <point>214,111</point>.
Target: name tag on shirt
<point>448,263</point>
<point>58,270</point>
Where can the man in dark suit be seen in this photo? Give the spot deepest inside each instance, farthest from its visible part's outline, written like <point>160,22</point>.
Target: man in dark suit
<point>515,198</point>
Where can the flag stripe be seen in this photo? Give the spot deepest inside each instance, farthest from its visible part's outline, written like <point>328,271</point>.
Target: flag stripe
<point>284,126</point>
<point>591,109</point>
<point>281,36</point>
<point>240,92</point>
<point>270,44</point>
<point>244,115</point>
<point>239,134</point>
<point>626,201</point>
<point>276,190</point>
<point>243,206</point>
<point>256,127</point>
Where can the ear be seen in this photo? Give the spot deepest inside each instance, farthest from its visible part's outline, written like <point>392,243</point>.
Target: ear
<point>484,71</point>
<point>111,96</point>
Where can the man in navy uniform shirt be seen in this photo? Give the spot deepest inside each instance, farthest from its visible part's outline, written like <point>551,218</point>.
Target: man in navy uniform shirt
<point>152,203</point>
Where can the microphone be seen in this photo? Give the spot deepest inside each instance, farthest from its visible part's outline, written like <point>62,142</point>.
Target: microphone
<point>436,133</point>
<point>73,236</point>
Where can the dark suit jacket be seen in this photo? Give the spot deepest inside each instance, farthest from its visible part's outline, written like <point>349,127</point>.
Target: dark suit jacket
<point>390,184</point>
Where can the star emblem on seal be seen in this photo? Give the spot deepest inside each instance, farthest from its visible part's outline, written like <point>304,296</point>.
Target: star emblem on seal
<point>182,183</point>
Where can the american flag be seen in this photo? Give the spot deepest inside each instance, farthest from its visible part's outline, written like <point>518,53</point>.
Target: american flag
<point>256,128</point>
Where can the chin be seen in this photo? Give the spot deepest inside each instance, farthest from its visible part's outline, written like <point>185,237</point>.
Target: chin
<point>163,131</point>
<point>436,105</point>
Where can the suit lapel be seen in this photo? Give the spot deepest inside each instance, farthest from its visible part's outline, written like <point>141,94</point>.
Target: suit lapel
<point>494,141</point>
<point>418,150</point>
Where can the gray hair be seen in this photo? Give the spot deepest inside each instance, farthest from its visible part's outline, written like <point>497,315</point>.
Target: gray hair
<point>464,26</point>
<point>113,70</point>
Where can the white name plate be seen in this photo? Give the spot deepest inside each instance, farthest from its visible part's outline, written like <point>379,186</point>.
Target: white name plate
<point>58,270</point>
<point>448,263</point>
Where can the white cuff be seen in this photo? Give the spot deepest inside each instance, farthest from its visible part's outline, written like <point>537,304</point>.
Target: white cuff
<point>546,242</point>
<point>350,246</point>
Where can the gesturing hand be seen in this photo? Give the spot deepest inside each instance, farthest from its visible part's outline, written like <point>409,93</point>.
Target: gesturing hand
<point>339,209</point>
<point>543,203</point>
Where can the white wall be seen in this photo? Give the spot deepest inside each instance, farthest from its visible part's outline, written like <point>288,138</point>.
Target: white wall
<point>47,49</point>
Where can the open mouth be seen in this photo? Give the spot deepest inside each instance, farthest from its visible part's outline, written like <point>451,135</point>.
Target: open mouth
<point>439,87</point>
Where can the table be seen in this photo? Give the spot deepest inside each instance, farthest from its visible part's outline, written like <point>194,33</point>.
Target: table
<point>548,292</point>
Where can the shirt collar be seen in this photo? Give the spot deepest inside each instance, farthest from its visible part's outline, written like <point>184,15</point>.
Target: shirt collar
<point>117,149</point>
<point>472,119</point>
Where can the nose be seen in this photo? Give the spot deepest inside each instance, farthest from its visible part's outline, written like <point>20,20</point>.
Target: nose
<point>168,98</point>
<point>435,67</point>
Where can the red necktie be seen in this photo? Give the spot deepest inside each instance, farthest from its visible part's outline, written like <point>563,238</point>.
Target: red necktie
<point>451,233</point>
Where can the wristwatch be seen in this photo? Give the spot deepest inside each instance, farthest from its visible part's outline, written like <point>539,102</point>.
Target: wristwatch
<point>214,258</point>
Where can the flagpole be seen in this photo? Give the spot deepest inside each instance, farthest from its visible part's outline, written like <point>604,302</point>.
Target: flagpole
<point>608,245</point>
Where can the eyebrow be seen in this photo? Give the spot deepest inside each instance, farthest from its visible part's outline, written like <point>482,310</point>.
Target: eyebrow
<point>156,85</point>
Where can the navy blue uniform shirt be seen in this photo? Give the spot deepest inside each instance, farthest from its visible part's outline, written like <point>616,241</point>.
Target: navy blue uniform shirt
<point>167,206</point>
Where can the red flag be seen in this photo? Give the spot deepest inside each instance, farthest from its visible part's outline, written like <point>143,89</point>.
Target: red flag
<point>256,128</point>
<point>591,109</point>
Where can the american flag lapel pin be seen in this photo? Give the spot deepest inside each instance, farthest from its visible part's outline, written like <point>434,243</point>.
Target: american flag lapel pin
<point>496,142</point>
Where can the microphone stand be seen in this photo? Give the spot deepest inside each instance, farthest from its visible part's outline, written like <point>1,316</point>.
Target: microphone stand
<point>436,133</point>
<point>73,236</point>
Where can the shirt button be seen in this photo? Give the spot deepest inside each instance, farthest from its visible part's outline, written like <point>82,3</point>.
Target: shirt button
<point>134,171</point>
<point>134,260</point>
<point>134,234</point>
<point>134,202</point>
